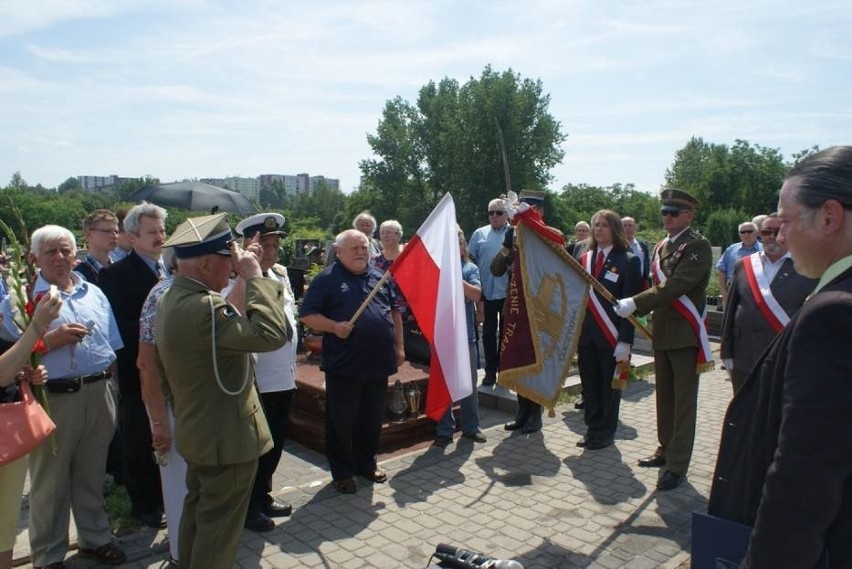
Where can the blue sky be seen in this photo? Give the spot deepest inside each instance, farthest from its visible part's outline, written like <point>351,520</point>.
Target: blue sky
<point>198,88</point>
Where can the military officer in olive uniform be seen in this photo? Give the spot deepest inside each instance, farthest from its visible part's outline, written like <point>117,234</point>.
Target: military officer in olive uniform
<point>680,268</point>
<point>204,360</point>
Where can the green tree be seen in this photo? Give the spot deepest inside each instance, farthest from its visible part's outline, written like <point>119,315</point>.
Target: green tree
<point>69,185</point>
<point>722,227</point>
<point>740,177</point>
<point>449,142</point>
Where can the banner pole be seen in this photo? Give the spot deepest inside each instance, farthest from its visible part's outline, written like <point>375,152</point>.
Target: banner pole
<point>574,264</point>
<point>370,297</point>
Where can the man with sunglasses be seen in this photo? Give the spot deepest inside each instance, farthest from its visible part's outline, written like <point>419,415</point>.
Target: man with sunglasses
<point>766,291</point>
<point>485,243</point>
<point>748,245</point>
<point>680,268</point>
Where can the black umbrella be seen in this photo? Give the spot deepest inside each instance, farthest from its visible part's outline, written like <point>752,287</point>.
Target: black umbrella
<point>195,196</point>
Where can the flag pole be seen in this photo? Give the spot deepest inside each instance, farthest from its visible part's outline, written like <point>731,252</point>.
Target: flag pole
<point>370,297</point>
<point>601,289</point>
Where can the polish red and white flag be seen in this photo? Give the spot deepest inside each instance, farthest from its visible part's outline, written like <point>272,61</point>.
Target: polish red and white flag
<point>428,272</point>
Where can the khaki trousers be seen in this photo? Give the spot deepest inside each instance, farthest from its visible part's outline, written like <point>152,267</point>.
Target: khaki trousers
<point>73,480</point>
<point>677,404</point>
<point>214,513</point>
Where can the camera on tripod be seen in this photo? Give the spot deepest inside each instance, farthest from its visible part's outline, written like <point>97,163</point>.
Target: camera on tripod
<point>456,558</point>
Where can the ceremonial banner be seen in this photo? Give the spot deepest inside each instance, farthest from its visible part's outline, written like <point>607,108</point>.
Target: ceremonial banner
<point>543,313</point>
<point>428,272</point>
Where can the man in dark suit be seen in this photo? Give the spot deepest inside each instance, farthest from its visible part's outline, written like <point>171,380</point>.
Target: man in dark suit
<point>785,459</point>
<point>765,293</point>
<point>638,248</point>
<point>605,339</point>
<point>680,266</point>
<point>126,284</point>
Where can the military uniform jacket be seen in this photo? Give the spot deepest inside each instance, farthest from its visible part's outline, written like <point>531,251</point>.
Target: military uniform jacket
<point>687,264</point>
<point>746,333</point>
<point>211,426</point>
<point>785,458</point>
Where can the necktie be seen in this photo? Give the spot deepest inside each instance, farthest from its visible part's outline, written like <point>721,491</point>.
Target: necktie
<point>161,270</point>
<point>599,263</point>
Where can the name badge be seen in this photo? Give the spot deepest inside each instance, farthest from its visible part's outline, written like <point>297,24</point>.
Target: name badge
<point>610,276</point>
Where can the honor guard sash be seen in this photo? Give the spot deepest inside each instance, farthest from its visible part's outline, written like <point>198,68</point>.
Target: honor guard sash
<point>607,326</point>
<point>686,308</point>
<point>759,285</point>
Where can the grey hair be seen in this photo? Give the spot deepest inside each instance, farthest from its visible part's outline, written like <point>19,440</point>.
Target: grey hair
<point>497,202</point>
<point>144,209</point>
<point>349,234</point>
<point>747,225</point>
<point>365,215</point>
<point>392,224</point>
<point>51,233</point>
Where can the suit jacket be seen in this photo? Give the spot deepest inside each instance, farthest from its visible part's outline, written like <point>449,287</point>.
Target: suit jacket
<point>126,284</point>
<point>745,332</point>
<point>687,264</point>
<point>626,266</point>
<point>646,261</point>
<point>213,427</point>
<point>785,458</point>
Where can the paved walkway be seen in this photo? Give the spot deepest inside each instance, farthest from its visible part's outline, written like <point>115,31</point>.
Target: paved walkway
<point>538,499</point>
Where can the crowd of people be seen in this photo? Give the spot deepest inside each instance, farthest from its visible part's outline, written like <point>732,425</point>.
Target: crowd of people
<point>172,363</point>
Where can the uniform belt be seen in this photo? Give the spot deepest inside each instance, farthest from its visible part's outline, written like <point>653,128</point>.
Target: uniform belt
<point>72,384</point>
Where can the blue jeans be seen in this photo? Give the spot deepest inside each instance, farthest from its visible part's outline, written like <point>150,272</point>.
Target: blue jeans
<point>469,406</point>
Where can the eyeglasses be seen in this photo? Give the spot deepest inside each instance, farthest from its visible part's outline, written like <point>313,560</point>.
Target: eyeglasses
<point>768,232</point>
<point>496,212</point>
<point>110,231</point>
<point>746,231</point>
<point>670,212</point>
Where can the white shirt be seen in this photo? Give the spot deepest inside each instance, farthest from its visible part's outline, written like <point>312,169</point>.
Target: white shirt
<point>769,268</point>
<point>276,370</point>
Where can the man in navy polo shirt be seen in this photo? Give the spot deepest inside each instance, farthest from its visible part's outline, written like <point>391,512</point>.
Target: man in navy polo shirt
<point>357,358</point>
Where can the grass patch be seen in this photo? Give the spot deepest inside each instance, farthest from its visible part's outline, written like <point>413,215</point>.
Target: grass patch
<point>117,504</point>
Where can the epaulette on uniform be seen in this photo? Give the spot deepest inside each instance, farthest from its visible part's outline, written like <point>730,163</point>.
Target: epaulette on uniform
<point>279,270</point>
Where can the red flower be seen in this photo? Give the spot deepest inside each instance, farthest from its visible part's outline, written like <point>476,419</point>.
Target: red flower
<point>39,348</point>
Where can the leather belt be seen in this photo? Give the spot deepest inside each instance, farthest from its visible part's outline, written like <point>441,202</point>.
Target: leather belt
<point>72,384</point>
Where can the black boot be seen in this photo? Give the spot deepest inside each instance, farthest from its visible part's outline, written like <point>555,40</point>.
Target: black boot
<point>533,424</point>
<point>521,417</point>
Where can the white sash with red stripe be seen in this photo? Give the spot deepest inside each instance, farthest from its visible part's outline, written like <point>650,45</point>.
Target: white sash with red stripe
<point>688,310</point>
<point>603,320</point>
<point>759,285</point>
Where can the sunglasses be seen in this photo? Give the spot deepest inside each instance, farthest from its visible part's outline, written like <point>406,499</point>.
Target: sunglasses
<point>746,231</point>
<point>672,213</point>
<point>768,232</point>
<point>496,212</point>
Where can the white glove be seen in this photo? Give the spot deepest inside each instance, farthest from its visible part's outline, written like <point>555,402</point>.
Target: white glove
<point>728,363</point>
<point>622,352</point>
<point>625,307</point>
<point>512,210</point>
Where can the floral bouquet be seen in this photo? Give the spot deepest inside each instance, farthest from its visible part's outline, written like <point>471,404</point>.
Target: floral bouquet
<point>19,283</point>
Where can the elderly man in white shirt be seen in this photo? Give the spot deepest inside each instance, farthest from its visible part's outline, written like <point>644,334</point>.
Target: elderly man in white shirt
<point>275,371</point>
